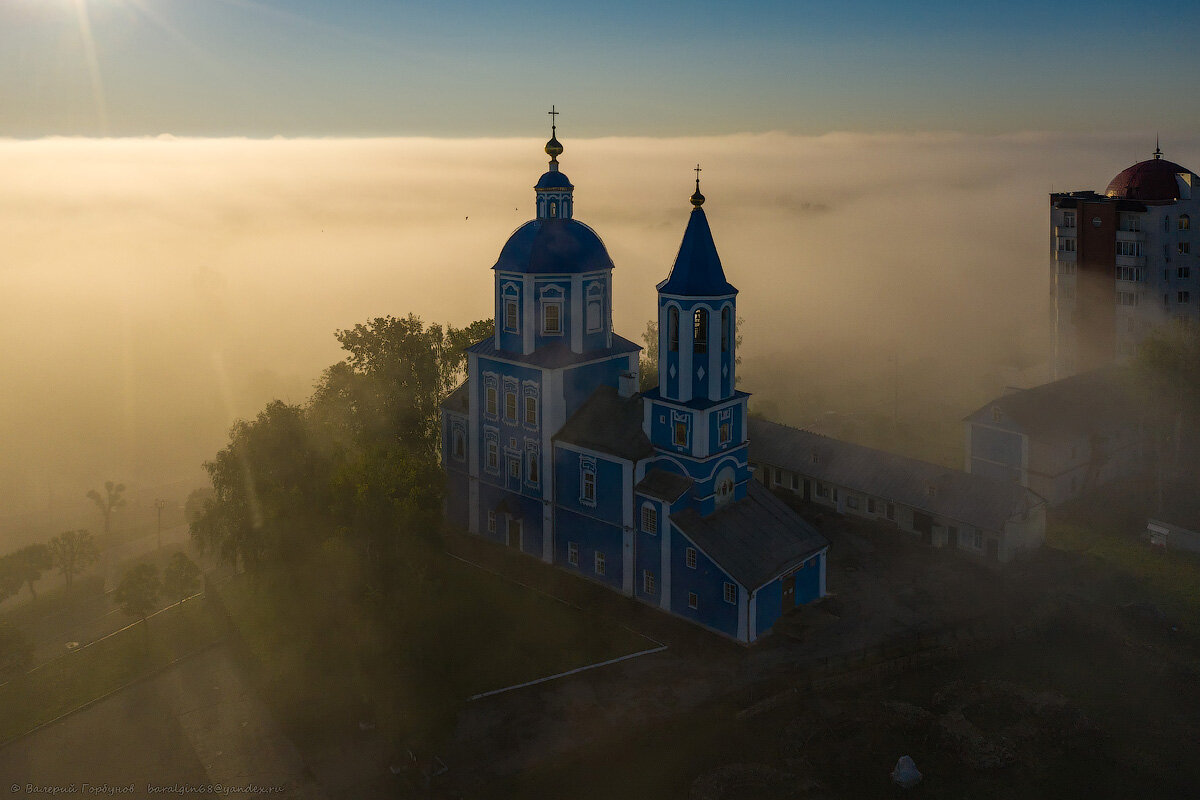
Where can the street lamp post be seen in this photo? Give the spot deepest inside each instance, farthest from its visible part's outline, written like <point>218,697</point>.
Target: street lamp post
<point>160,505</point>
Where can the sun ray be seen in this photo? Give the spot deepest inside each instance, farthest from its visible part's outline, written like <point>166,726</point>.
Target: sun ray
<point>89,52</point>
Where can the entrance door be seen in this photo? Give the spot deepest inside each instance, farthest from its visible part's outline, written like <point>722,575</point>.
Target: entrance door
<point>514,533</point>
<point>789,592</point>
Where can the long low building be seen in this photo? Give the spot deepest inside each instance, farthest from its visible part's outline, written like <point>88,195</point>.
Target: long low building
<point>989,519</point>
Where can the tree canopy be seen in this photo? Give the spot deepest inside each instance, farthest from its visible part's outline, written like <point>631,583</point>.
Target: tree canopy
<point>181,578</point>
<point>24,567</point>
<point>138,591</point>
<point>73,552</point>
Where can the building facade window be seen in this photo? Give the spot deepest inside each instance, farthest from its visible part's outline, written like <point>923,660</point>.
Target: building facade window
<point>1129,248</point>
<point>822,491</point>
<point>1185,248</point>
<point>647,581</point>
<point>514,468</point>
<point>587,481</point>
<point>1127,298</point>
<point>1183,273</point>
<point>700,331</point>
<point>1066,244</point>
<point>532,462</point>
<point>573,553</point>
<point>891,511</point>
<point>689,557</point>
<point>460,445</point>
<point>1184,222</point>
<point>491,522</point>
<point>595,308</point>
<point>599,564</point>
<point>649,518</point>
<point>491,394</point>
<point>492,439</point>
<point>795,482</point>
<point>693,600</point>
<point>673,329</point>
<point>1068,219</point>
<point>730,593</point>
<point>1185,297</point>
<point>530,410</point>
<point>852,502</point>
<point>1131,274</point>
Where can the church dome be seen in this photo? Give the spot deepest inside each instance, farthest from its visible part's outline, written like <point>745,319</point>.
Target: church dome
<point>546,246</point>
<point>1151,181</point>
<point>553,180</point>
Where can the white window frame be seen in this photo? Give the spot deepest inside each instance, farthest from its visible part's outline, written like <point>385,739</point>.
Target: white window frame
<point>648,582</point>
<point>573,553</point>
<point>730,593</point>
<point>552,297</point>
<point>693,601</point>
<point>509,301</point>
<point>649,518</point>
<point>491,438</point>
<point>587,481</point>
<point>533,471</point>
<point>491,521</point>
<point>600,563</point>
<point>491,395</point>
<point>689,557</point>
<point>595,300</point>
<point>514,466</point>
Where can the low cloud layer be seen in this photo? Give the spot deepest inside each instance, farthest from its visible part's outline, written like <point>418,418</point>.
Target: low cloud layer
<point>153,290</point>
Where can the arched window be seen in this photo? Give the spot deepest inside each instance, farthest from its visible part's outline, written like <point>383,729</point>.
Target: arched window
<point>700,331</point>
<point>723,486</point>
<point>673,329</point>
<point>553,208</point>
<point>726,337</point>
<point>460,445</point>
<point>1185,222</point>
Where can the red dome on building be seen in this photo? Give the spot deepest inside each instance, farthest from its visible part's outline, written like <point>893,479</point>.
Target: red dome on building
<point>1151,181</point>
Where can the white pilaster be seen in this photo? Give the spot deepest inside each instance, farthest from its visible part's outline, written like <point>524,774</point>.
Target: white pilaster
<point>578,322</point>
<point>627,526</point>
<point>664,601</point>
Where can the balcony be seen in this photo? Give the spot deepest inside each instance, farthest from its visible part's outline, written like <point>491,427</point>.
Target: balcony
<point>1131,236</point>
<point>1130,261</point>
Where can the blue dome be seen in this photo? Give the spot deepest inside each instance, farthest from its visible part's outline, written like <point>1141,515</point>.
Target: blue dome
<point>554,180</point>
<point>553,246</point>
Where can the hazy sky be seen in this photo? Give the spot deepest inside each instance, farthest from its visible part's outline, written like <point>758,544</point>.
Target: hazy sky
<point>619,67</point>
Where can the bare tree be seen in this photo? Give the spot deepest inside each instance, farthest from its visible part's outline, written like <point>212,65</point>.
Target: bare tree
<point>73,552</point>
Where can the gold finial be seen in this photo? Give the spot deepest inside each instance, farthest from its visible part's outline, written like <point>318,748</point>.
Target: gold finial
<point>553,147</point>
<point>697,198</point>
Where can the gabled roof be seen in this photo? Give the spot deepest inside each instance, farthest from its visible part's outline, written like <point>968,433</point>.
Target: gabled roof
<point>754,539</point>
<point>608,423</point>
<point>697,271</point>
<point>663,485</point>
<point>554,355</point>
<point>1089,403</point>
<point>976,500</point>
<point>459,400</point>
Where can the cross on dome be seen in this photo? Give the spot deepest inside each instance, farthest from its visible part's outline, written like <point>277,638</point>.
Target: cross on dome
<point>697,198</point>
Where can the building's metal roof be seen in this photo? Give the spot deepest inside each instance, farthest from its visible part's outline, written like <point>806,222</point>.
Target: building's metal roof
<point>608,423</point>
<point>976,500</point>
<point>697,271</point>
<point>754,539</point>
<point>1150,181</point>
<point>552,356</point>
<point>663,485</point>
<point>459,401</point>
<point>1096,402</point>
<point>554,180</point>
<point>553,246</point>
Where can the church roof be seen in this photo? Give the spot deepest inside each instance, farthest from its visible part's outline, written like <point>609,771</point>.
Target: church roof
<point>1151,181</point>
<point>553,246</point>
<point>754,539</point>
<point>554,355</point>
<point>976,500</point>
<point>459,400</point>
<point>697,271</point>
<point>553,179</point>
<point>608,423</point>
<point>663,485</point>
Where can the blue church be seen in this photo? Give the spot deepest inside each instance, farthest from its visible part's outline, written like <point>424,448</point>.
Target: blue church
<point>550,449</point>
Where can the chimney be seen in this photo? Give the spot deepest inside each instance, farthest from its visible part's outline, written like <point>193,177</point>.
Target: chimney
<point>627,384</point>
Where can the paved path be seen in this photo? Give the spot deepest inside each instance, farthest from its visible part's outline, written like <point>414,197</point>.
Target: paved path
<point>196,724</point>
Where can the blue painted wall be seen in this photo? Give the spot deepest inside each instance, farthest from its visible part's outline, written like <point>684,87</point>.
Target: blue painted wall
<point>808,580</point>
<point>510,341</point>
<point>527,509</point>
<point>568,323</point>
<point>509,429</point>
<point>580,382</point>
<point>707,580</point>
<point>768,605</point>
<point>608,486</point>
<point>647,550</point>
<point>592,536</point>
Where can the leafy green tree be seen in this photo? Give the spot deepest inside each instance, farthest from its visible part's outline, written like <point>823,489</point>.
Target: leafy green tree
<point>181,578</point>
<point>16,651</point>
<point>193,507</point>
<point>73,552</point>
<point>138,591</point>
<point>25,566</point>
<point>108,502</point>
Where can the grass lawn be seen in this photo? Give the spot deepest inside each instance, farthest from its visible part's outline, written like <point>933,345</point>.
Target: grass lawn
<point>326,664</point>
<point>91,672</point>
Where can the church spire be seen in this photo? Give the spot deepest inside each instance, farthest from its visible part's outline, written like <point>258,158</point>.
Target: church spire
<point>554,189</point>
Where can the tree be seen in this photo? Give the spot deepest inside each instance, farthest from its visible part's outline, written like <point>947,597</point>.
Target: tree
<point>193,507</point>
<point>108,502</point>
<point>137,594</point>
<point>73,552</point>
<point>181,578</point>
<point>25,566</point>
<point>648,364</point>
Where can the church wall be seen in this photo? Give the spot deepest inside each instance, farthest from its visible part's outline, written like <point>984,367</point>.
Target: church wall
<point>769,606</point>
<point>707,581</point>
<point>511,286</point>
<point>568,481</point>
<point>647,550</point>
<point>596,288</point>
<point>590,536</point>
<point>528,510</point>
<point>580,382</point>
<point>514,437</point>
<point>557,290</point>
<point>735,415</point>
